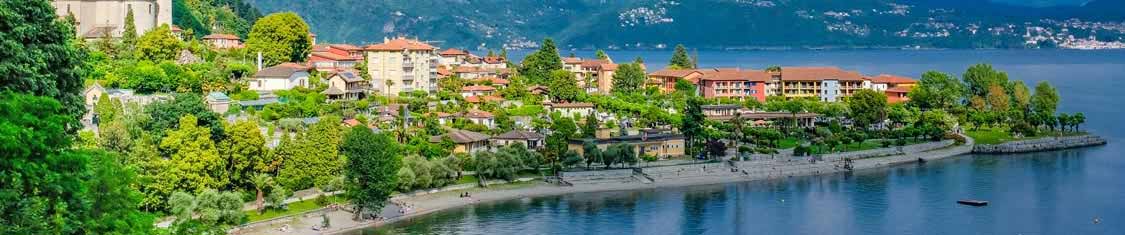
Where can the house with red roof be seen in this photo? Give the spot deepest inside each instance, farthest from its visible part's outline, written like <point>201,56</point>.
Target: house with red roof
<point>223,41</point>
<point>477,90</point>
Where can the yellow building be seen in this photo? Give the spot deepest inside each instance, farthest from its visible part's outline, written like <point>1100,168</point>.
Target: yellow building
<point>402,65</point>
<point>662,145</point>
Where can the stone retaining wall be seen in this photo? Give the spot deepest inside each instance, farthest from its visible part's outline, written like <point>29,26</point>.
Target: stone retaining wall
<point>889,151</point>
<point>1044,144</point>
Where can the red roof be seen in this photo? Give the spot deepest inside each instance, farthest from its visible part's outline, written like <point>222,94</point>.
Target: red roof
<point>345,47</point>
<point>330,56</point>
<point>222,36</point>
<point>493,60</point>
<point>493,80</point>
<point>899,89</point>
<point>441,70</point>
<point>351,122</point>
<point>892,79</point>
<point>399,44</point>
<point>572,105</point>
<point>572,60</point>
<point>818,73</point>
<point>453,52</point>
<point>478,114</point>
<point>677,73</point>
<point>478,88</point>
<point>477,99</point>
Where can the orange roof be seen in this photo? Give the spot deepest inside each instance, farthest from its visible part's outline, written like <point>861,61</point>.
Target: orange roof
<point>351,122</point>
<point>222,36</point>
<point>572,105</point>
<point>478,114</point>
<point>399,44</point>
<point>734,74</point>
<point>453,52</point>
<point>320,48</point>
<point>345,47</point>
<point>899,89</point>
<point>478,88</point>
<point>572,60</point>
<point>493,80</point>
<point>678,73</point>
<point>477,99</point>
<point>818,73</point>
<point>330,56</point>
<point>441,70</point>
<point>493,60</point>
<point>892,79</point>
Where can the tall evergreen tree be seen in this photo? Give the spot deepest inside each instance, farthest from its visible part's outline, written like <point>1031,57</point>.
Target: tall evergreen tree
<point>537,66</point>
<point>129,37</point>
<point>680,59</point>
<point>629,78</point>
<point>39,55</point>
<point>692,124</point>
<point>600,54</point>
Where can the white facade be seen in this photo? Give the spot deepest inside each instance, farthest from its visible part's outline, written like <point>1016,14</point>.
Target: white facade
<point>408,70</point>
<point>93,14</point>
<point>280,83</point>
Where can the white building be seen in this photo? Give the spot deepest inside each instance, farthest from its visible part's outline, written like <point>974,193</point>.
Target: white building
<point>402,65</point>
<point>284,76</point>
<point>98,18</point>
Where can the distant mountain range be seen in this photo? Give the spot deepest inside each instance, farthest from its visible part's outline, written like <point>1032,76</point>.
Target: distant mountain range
<point>717,24</point>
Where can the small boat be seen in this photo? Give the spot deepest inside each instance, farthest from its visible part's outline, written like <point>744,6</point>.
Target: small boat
<point>973,202</point>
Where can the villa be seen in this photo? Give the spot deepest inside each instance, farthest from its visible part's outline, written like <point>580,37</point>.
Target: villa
<point>223,41</point>
<point>465,141</point>
<point>477,90</point>
<point>530,139</point>
<point>346,85</point>
<point>595,76</point>
<point>284,76</point>
<point>661,145</point>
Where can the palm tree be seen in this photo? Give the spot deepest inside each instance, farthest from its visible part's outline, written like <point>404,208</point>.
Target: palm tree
<point>389,83</point>
<point>1079,119</point>
<point>260,181</point>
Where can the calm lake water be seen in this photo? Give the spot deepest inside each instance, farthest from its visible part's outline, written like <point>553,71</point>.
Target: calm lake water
<point>1058,192</point>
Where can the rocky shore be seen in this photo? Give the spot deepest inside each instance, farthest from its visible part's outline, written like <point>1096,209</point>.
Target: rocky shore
<point>1044,144</point>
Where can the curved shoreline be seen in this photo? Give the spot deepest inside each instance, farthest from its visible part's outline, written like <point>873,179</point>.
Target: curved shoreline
<point>440,201</point>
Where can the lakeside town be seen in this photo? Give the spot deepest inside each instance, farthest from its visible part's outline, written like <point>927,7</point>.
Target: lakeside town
<point>220,133</point>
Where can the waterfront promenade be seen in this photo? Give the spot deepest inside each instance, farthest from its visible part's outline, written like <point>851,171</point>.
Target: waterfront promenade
<point>658,177</point>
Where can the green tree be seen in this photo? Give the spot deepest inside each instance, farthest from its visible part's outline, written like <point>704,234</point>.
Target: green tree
<point>600,54</point>
<point>208,212</point>
<point>40,56</point>
<point>980,77</point>
<point>1021,97</point>
<point>129,37</point>
<point>47,187</point>
<point>195,163</point>
<point>557,143</point>
<point>692,124</point>
<point>167,114</point>
<point>590,129</point>
<point>115,137</point>
<point>280,37</point>
<point>1046,99</point>
<point>868,107</point>
<point>243,150</point>
<point>563,86</point>
<point>538,66</point>
<point>159,44</point>
<point>591,152</point>
<point>373,162</point>
<point>261,182</point>
<point>936,90</point>
<point>629,78</point>
<point>317,160</point>
<point>680,59</point>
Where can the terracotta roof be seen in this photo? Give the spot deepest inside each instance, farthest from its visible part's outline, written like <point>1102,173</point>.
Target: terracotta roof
<point>445,115</point>
<point>283,70</point>
<point>519,135</point>
<point>351,122</point>
<point>734,74</point>
<point>493,60</point>
<point>453,52</point>
<point>399,44</point>
<point>332,56</point>
<point>477,99</point>
<point>899,89</point>
<point>493,80</point>
<point>595,63</point>
<point>176,29</point>
<point>572,60</point>
<point>478,114</point>
<point>679,73</point>
<point>346,47</point>
<point>818,73</point>
<point>443,71</point>
<point>572,105</point>
<point>316,48</point>
<point>478,88</point>
<point>222,36</point>
<point>892,79</point>
<point>460,137</point>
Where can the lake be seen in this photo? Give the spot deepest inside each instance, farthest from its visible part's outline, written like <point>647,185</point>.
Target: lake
<point>1059,192</point>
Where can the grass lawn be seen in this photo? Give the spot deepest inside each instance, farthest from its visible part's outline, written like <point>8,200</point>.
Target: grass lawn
<point>294,208</point>
<point>467,179</point>
<point>787,143</point>
<point>997,135</point>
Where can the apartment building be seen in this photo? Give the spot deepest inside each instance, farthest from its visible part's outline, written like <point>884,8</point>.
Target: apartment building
<point>824,83</point>
<point>402,65</point>
<point>665,79</point>
<point>223,41</point>
<point>594,76</point>
<point>733,83</point>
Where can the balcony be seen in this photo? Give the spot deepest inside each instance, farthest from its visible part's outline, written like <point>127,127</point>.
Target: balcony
<point>408,77</point>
